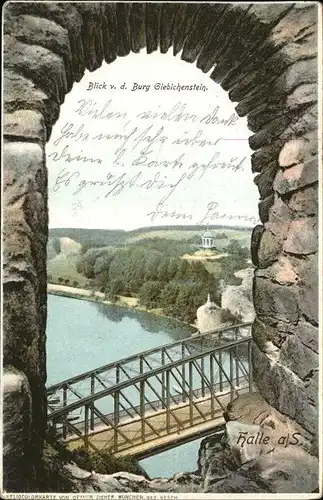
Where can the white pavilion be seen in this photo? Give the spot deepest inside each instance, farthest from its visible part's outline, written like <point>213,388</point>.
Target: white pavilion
<point>208,241</point>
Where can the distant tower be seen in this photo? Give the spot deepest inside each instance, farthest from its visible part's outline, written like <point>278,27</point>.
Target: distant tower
<point>209,316</point>
<point>208,240</point>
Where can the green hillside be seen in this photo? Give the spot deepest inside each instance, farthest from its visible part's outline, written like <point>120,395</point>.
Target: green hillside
<point>115,237</point>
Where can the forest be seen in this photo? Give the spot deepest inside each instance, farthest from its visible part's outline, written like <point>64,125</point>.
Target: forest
<point>154,271</point>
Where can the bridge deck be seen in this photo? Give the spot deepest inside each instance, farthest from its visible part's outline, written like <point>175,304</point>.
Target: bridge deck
<point>185,423</point>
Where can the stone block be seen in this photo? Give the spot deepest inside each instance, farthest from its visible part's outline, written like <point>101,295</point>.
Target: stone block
<point>247,33</point>
<point>255,242</point>
<point>269,13</point>
<point>283,390</point>
<point>269,249</point>
<point>294,25</point>
<point>302,124</point>
<point>198,34</point>
<point>109,31</point>
<point>183,23</point>
<point>299,73</point>
<point>302,237</point>
<point>228,31</point>
<point>265,155</point>
<point>47,33</point>
<point>17,459</point>
<point>22,93</point>
<point>17,235</point>
<point>312,385</point>
<point>302,96</point>
<point>24,169</point>
<point>248,89</point>
<point>92,36</point>
<point>308,289</point>
<point>166,26</point>
<point>276,301</point>
<point>264,335</point>
<point>41,65</point>
<point>305,201</point>
<point>279,217</point>
<point>123,32</point>
<point>270,132</point>
<point>20,325</point>
<point>264,206</point>
<point>297,150</point>
<point>308,335</point>
<point>265,179</point>
<point>297,357</point>
<point>153,13</point>
<point>26,124</point>
<point>285,470</point>
<point>296,177</point>
<point>283,271</point>
<point>138,26</point>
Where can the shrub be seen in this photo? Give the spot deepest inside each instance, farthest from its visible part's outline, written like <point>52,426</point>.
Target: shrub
<point>105,462</point>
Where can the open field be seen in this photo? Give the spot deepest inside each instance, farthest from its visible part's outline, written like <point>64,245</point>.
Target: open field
<point>64,266</point>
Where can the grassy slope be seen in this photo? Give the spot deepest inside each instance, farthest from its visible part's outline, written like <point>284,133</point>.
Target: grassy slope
<point>64,265</point>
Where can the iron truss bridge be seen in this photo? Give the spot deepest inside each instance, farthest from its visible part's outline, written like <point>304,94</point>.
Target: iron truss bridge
<point>156,399</point>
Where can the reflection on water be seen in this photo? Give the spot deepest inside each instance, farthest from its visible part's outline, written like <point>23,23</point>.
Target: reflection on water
<point>149,322</point>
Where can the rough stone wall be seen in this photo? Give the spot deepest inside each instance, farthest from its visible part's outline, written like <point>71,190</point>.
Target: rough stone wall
<point>266,58</point>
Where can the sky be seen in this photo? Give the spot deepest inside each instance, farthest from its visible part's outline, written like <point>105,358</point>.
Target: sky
<point>134,147</point>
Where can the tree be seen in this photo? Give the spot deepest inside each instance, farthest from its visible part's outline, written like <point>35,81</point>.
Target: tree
<point>114,287</point>
<point>183,304</point>
<point>172,268</point>
<point>152,263</point>
<point>102,263</point>
<point>235,248</point>
<point>221,236</point>
<point>168,296</point>
<point>162,271</point>
<point>182,269</point>
<point>149,294</point>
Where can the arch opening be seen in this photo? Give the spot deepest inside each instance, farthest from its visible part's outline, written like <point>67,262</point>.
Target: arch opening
<point>266,58</point>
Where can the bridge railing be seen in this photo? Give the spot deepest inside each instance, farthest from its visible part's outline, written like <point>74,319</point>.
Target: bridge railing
<point>102,418</point>
<point>93,381</point>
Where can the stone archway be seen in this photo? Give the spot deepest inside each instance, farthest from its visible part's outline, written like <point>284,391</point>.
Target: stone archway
<point>266,58</point>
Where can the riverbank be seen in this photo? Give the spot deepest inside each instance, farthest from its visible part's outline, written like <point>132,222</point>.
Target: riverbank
<point>94,296</point>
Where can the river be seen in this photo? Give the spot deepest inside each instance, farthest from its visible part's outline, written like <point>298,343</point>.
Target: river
<point>83,335</point>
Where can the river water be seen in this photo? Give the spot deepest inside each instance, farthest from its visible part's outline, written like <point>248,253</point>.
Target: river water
<point>84,335</point>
